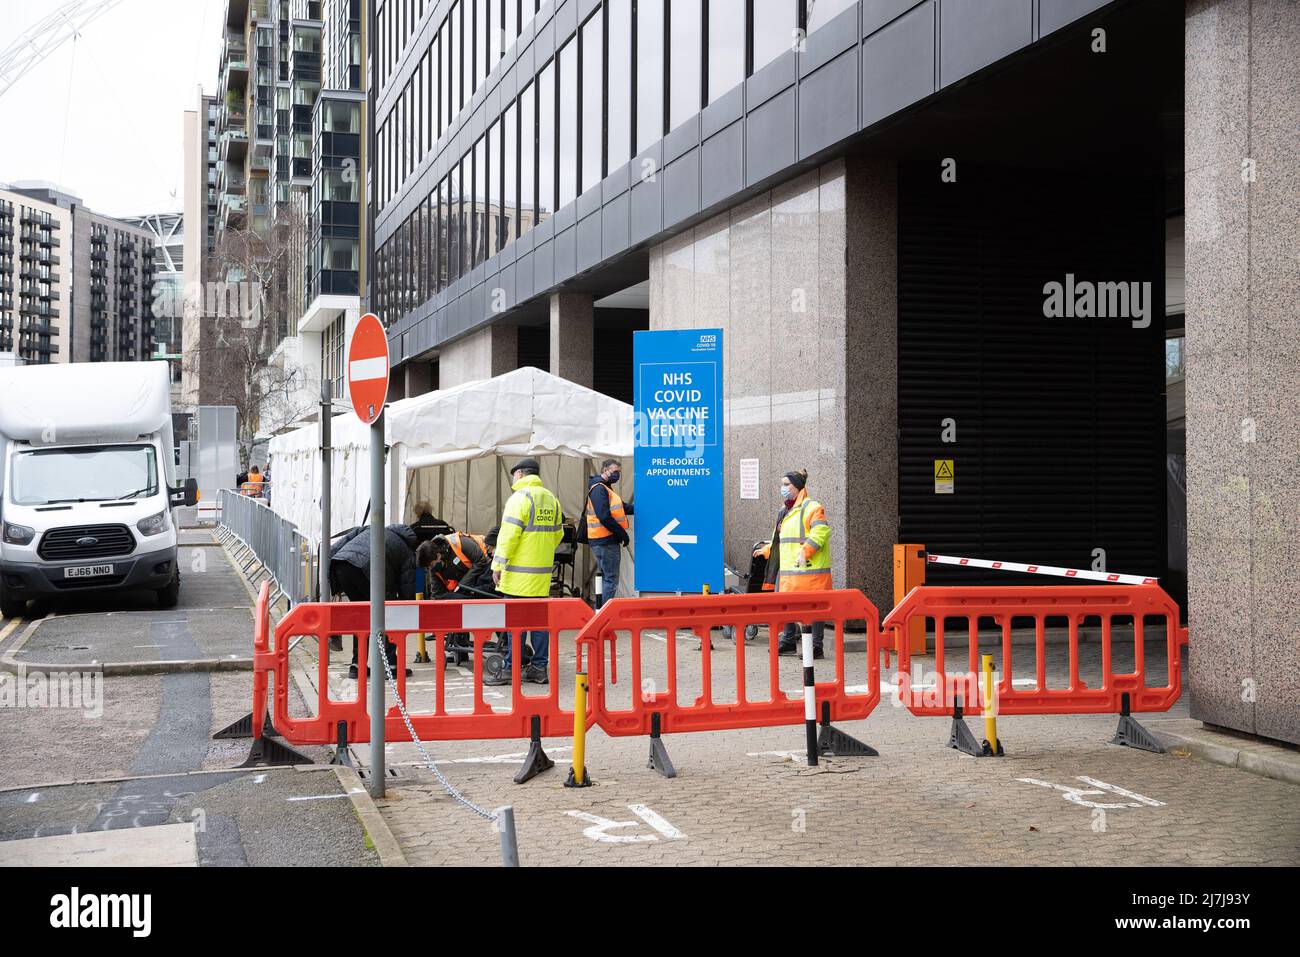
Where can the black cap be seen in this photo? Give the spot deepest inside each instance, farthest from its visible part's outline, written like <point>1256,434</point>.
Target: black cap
<point>526,465</point>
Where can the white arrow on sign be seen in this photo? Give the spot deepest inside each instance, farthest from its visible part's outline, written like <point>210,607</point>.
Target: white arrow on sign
<point>666,539</point>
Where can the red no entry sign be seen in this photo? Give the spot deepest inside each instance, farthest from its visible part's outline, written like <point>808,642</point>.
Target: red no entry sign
<point>368,368</point>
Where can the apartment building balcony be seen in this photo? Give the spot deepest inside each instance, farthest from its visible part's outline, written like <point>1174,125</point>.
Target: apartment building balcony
<point>234,144</point>
<point>234,211</point>
<point>55,261</point>
<point>6,247</point>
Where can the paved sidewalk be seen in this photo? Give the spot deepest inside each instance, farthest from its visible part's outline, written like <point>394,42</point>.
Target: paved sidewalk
<point>746,797</point>
<point>213,621</point>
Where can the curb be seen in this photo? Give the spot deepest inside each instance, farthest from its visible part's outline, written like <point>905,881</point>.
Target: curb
<point>1245,759</point>
<point>120,668</point>
<point>386,846</point>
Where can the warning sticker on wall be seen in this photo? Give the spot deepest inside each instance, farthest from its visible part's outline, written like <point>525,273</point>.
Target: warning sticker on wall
<point>944,477</point>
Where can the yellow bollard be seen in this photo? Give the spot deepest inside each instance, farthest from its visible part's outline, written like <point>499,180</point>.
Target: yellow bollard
<point>421,656</point>
<point>990,706</point>
<point>578,773</point>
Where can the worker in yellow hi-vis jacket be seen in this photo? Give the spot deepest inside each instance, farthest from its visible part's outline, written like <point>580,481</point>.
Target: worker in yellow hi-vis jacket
<point>532,525</point>
<point>805,554</point>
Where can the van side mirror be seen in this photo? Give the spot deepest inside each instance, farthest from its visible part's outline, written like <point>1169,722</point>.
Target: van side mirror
<point>187,494</point>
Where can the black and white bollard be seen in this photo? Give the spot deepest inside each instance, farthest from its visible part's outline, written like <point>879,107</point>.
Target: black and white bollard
<point>599,586</point>
<point>809,699</point>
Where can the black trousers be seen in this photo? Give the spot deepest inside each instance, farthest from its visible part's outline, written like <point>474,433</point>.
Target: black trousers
<point>354,583</point>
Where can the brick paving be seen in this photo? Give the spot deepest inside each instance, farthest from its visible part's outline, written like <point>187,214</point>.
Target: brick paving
<point>746,797</point>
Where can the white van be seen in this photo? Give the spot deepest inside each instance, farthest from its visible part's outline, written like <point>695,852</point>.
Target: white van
<point>87,482</point>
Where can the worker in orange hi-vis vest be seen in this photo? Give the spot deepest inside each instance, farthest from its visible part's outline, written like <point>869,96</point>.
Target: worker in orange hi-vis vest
<point>255,486</point>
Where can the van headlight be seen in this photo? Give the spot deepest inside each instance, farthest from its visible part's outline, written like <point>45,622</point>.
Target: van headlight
<point>153,525</point>
<point>18,534</point>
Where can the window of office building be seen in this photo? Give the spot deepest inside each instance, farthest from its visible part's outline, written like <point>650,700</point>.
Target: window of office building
<point>510,25</point>
<point>726,46</point>
<point>417,88</point>
<point>568,57</point>
<point>822,12</point>
<point>546,143</point>
<point>527,158</point>
<point>480,42</point>
<point>465,212</point>
<point>479,206</point>
<point>593,103</point>
<point>619,108</point>
<point>649,72</point>
<point>775,29</point>
<point>454,78</point>
<point>510,188</point>
<point>453,224</point>
<point>440,228</point>
<point>685,60</point>
<point>431,227</point>
<point>527,9</point>
<point>467,52</point>
<point>492,212</point>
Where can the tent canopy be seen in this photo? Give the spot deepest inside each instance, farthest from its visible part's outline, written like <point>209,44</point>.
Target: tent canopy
<point>524,412</point>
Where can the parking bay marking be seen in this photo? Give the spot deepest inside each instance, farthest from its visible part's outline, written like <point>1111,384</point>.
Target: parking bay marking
<point>1076,795</point>
<point>601,826</point>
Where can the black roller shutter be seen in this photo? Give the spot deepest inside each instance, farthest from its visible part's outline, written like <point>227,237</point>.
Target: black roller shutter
<point>1059,422</point>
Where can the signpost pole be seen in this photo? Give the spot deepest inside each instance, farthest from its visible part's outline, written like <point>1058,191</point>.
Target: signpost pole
<point>326,480</point>
<point>378,566</point>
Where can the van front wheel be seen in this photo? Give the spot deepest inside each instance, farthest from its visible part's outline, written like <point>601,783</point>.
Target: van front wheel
<point>11,608</point>
<point>171,594</point>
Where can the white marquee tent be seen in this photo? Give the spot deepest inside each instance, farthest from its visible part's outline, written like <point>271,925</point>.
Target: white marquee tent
<point>451,449</point>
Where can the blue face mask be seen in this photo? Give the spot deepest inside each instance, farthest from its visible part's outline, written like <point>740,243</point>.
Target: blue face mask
<point>789,493</point>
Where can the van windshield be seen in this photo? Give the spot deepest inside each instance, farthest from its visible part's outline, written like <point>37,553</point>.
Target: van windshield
<point>103,473</point>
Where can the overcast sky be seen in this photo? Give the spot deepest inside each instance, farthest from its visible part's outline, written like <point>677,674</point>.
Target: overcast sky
<point>102,116</point>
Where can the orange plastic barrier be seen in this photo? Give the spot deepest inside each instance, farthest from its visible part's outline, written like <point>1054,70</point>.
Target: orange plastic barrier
<point>438,620</point>
<point>653,710</point>
<point>1074,603</point>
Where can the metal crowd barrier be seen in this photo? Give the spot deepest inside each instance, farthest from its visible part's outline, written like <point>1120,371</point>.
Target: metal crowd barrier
<point>266,546</point>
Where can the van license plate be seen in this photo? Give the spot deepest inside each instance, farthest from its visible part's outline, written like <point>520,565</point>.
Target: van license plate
<point>88,571</point>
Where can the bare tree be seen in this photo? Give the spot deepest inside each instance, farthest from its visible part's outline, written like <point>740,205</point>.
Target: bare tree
<point>244,314</point>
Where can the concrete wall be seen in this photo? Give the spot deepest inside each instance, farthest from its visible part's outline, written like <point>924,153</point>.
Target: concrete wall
<point>484,354</point>
<point>1243,364</point>
<point>801,280</point>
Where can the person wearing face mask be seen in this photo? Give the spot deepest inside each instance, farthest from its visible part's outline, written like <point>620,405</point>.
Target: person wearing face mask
<point>804,556</point>
<point>606,518</point>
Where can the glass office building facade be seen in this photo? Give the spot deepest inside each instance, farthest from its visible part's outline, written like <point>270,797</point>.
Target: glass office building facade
<point>631,72</point>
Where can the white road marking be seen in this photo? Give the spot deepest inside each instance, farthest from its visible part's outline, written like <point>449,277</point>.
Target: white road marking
<point>601,826</point>
<point>33,798</point>
<point>1076,795</point>
<point>318,797</point>
<point>657,822</point>
<point>259,779</point>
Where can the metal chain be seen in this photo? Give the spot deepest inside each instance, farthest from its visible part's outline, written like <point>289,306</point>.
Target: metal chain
<point>401,705</point>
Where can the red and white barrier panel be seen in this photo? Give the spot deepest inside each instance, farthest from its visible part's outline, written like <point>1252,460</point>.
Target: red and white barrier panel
<point>1113,578</point>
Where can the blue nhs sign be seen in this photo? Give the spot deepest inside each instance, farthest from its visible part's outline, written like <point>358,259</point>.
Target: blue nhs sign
<point>678,460</point>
